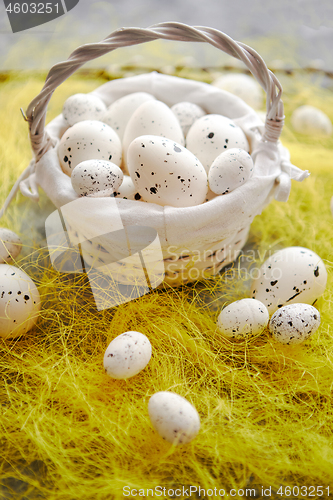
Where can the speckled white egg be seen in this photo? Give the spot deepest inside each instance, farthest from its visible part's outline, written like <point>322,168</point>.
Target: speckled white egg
<point>311,120</point>
<point>96,177</point>
<point>230,170</point>
<point>127,355</point>
<point>81,107</point>
<point>291,275</point>
<point>10,245</point>
<point>128,190</point>
<point>120,111</point>
<point>243,319</point>
<point>88,140</point>
<point>166,173</point>
<point>187,113</point>
<point>212,135</point>
<point>174,418</point>
<point>294,323</point>
<point>243,86</point>
<point>152,118</point>
<point>19,302</point>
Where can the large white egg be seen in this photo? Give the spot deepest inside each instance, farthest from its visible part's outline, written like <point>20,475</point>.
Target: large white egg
<point>120,111</point>
<point>243,319</point>
<point>152,118</point>
<point>212,135</point>
<point>187,113</point>
<point>10,245</point>
<point>294,323</point>
<point>230,170</point>
<point>19,302</point>
<point>174,418</point>
<point>96,177</point>
<point>127,355</point>
<point>166,173</point>
<point>243,86</point>
<point>88,140</point>
<point>289,276</point>
<point>80,107</point>
<point>311,120</point>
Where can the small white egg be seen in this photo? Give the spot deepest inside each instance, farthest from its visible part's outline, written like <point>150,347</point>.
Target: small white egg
<point>152,118</point>
<point>120,111</point>
<point>230,170</point>
<point>127,355</point>
<point>289,276</point>
<point>311,120</point>
<point>294,323</point>
<point>96,177</point>
<point>243,319</point>
<point>243,86</point>
<point>81,107</point>
<point>19,302</point>
<point>166,173</point>
<point>10,245</point>
<point>128,190</point>
<point>174,418</point>
<point>187,113</point>
<point>88,140</point>
<point>211,135</point>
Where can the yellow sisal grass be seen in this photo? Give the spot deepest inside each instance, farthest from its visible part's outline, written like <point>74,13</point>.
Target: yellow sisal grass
<point>68,431</point>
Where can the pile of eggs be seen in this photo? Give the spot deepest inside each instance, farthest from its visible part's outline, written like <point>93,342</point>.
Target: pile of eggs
<point>141,149</point>
<point>287,285</point>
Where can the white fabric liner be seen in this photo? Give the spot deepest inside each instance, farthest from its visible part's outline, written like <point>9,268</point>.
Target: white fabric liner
<point>191,227</point>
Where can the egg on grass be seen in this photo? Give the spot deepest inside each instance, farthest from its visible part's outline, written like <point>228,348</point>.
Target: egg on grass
<point>243,319</point>
<point>173,417</point>
<point>290,275</point>
<point>294,323</point>
<point>127,355</point>
<point>10,245</point>
<point>19,302</point>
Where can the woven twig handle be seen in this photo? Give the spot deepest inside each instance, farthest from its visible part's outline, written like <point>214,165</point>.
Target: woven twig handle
<point>125,37</point>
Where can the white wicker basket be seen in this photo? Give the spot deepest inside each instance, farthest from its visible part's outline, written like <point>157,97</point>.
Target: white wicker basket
<point>196,241</point>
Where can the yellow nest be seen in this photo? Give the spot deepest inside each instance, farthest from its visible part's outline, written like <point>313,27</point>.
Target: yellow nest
<point>69,432</point>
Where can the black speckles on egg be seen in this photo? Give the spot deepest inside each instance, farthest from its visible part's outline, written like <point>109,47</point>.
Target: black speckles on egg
<point>294,323</point>
<point>179,179</point>
<point>173,417</point>
<point>211,135</point>
<point>88,140</point>
<point>95,176</point>
<point>127,355</point>
<point>295,270</point>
